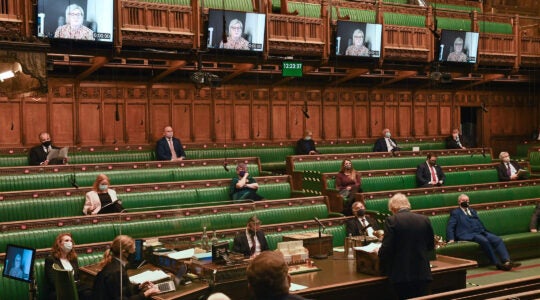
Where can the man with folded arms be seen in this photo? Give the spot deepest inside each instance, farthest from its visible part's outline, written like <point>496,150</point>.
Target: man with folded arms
<point>464,225</point>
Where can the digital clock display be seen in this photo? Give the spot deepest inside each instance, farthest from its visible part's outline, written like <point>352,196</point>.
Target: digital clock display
<point>291,69</point>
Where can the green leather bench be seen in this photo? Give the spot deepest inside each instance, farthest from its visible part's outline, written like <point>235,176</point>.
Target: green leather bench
<point>534,160</point>
<point>164,198</point>
<point>156,226</point>
<point>50,180</point>
<point>316,183</point>
<point>297,164</point>
<point>511,224</point>
<point>449,199</point>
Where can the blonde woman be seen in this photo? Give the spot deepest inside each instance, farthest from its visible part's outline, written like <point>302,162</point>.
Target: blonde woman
<point>112,281</point>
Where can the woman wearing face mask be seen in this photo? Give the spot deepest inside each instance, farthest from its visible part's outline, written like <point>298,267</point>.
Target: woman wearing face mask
<point>62,254</point>
<point>348,182</point>
<point>101,199</point>
<point>112,281</point>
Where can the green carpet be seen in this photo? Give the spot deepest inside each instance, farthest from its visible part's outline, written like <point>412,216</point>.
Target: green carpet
<point>489,274</point>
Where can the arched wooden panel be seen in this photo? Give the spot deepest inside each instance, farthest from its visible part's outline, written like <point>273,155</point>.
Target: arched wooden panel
<point>62,122</point>
<point>136,124</point>
<point>432,119</point>
<point>260,121</point>
<point>280,119</point>
<point>89,122</point>
<point>223,122</point>
<point>113,130</point>
<point>242,121</point>
<point>35,120</point>
<point>160,116</point>
<point>182,121</point>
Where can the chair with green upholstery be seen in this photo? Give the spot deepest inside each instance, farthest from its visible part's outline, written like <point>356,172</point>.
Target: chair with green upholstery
<point>358,15</point>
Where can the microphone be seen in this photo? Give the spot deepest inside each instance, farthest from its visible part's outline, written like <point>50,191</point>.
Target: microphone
<point>483,106</point>
<point>74,182</point>
<point>305,112</point>
<point>226,166</point>
<point>319,222</point>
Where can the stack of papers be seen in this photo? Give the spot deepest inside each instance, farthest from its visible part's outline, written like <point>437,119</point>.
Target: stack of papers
<point>152,276</point>
<point>184,254</point>
<point>369,248</point>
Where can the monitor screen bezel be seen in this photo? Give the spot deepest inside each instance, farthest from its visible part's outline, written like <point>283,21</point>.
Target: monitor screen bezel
<point>214,37</point>
<point>372,34</point>
<point>470,41</point>
<point>97,12</point>
<point>28,257</point>
<point>216,257</point>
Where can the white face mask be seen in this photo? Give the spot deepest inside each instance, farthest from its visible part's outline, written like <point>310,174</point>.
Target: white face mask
<point>103,187</point>
<point>67,246</point>
<point>388,135</point>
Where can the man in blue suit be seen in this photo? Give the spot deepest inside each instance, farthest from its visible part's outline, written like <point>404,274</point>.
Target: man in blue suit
<point>464,225</point>
<point>169,147</point>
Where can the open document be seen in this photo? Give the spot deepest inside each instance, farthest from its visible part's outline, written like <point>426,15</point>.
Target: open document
<point>58,154</point>
<point>152,276</point>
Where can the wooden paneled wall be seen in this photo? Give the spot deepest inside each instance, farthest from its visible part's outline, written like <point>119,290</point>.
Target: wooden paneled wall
<point>128,113</point>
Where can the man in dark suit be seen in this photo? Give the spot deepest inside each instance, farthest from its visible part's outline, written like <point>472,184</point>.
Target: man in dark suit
<point>306,145</point>
<point>508,169</point>
<point>430,174</point>
<point>361,224</point>
<point>169,147</point>
<point>252,241</point>
<point>386,143</point>
<point>38,154</point>
<point>404,253</point>
<point>464,225</point>
<point>455,141</point>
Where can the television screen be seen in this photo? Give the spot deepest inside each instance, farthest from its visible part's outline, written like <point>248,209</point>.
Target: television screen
<point>219,252</point>
<point>236,30</point>
<point>458,46</point>
<point>358,39</point>
<point>19,263</point>
<point>85,20</point>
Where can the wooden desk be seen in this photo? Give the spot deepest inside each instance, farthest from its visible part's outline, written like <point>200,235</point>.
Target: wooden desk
<point>338,279</point>
<point>186,292</point>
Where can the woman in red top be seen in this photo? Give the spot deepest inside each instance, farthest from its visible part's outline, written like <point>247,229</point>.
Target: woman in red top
<point>348,182</point>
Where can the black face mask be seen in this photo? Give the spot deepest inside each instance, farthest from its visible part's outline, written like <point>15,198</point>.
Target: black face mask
<point>361,212</point>
<point>464,204</point>
<point>46,144</point>
<point>251,232</point>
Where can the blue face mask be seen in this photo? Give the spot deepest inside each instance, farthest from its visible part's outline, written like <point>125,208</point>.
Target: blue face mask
<point>307,138</point>
<point>103,187</point>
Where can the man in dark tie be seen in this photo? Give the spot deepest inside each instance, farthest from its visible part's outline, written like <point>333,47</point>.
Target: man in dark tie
<point>252,241</point>
<point>169,147</point>
<point>508,169</point>
<point>429,174</point>
<point>361,224</point>
<point>464,225</point>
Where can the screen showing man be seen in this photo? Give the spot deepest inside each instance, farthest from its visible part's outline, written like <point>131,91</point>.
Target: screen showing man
<point>85,20</point>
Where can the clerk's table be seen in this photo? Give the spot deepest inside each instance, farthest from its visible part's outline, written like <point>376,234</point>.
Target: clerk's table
<point>337,278</point>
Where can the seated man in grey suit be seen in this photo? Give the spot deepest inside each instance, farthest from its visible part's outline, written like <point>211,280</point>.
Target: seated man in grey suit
<point>252,241</point>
